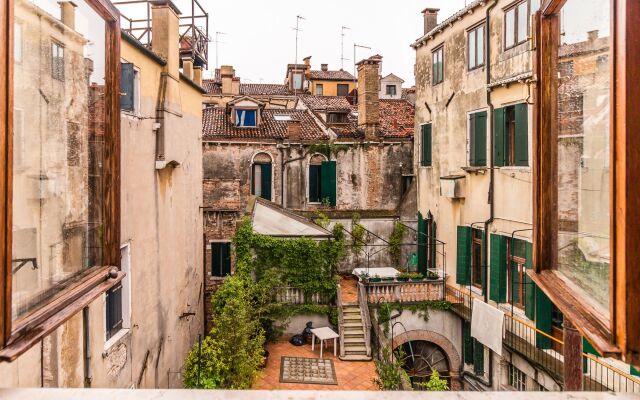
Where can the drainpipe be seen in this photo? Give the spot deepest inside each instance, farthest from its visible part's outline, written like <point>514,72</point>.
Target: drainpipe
<point>86,337</point>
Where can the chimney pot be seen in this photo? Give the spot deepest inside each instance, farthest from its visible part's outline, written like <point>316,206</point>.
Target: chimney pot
<point>294,130</point>
<point>68,13</point>
<point>430,19</point>
<point>324,67</point>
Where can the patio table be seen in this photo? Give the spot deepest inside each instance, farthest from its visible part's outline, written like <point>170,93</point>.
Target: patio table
<point>323,334</point>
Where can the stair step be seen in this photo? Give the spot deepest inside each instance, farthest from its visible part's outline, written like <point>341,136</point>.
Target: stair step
<point>351,311</point>
<point>355,357</point>
<point>354,333</point>
<point>352,317</point>
<point>352,352</point>
<point>351,325</point>
<point>353,340</point>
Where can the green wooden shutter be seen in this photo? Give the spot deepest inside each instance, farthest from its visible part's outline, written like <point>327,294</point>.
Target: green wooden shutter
<point>478,357</point>
<point>426,145</point>
<point>127,79</point>
<point>472,138</point>
<point>422,244</point>
<point>480,139</point>
<point>522,135</point>
<point>467,342</point>
<point>529,286</point>
<point>265,189</point>
<point>498,137</point>
<point>589,349</point>
<point>328,182</point>
<point>498,270</point>
<point>463,262</point>
<point>314,183</point>
<point>543,319</point>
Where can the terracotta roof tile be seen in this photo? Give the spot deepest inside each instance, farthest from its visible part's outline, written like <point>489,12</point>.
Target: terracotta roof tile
<point>252,89</point>
<point>317,103</point>
<point>396,118</point>
<point>339,75</point>
<point>212,86</point>
<point>216,125</point>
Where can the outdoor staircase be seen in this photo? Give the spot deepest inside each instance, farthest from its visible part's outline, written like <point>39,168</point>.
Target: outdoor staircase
<point>355,348</point>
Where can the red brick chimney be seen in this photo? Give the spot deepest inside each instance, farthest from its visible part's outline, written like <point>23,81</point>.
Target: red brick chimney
<point>368,96</point>
<point>430,19</point>
<point>294,130</point>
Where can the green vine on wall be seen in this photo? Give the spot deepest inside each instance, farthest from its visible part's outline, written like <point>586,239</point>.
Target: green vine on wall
<point>357,233</point>
<point>421,308</point>
<point>395,243</point>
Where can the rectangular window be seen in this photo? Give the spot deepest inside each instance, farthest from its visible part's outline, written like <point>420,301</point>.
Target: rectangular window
<point>297,81</point>
<point>343,89</point>
<point>220,259</point>
<point>315,183</point>
<point>261,180</point>
<point>517,379</point>
<point>127,87</point>
<point>57,61</point>
<point>511,136</point>
<point>319,90</point>
<point>118,299</point>
<point>391,90</point>
<point>425,143</point>
<point>475,47</point>
<point>476,258</point>
<point>337,117</point>
<point>437,65</point>
<point>478,139</point>
<point>113,310</point>
<point>246,118</point>
<point>328,188</point>
<point>516,25</point>
<point>516,272</point>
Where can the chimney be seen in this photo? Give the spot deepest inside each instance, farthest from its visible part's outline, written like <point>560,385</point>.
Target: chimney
<point>235,86</point>
<point>68,13</point>
<point>324,67</point>
<point>368,101</point>
<point>164,30</point>
<point>294,130</point>
<point>227,74</point>
<point>197,75</point>
<point>187,67</point>
<point>430,19</point>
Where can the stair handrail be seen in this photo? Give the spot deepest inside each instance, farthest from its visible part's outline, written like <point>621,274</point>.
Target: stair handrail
<point>340,321</point>
<point>366,317</point>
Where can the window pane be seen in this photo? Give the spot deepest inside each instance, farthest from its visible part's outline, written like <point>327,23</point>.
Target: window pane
<point>472,49</point>
<point>510,26</point>
<point>297,81</point>
<point>480,45</point>
<point>523,22</point>
<point>57,201</point>
<point>583,149</point>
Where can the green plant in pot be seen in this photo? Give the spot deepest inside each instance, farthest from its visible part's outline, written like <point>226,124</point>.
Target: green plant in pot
<point>432,275</point>
<point>364,277</point>
<point>375,279</point>
<point>410,276</point>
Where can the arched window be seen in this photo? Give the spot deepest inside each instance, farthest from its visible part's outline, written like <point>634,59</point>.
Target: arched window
<point>322,180</point>
<point>261,176</point>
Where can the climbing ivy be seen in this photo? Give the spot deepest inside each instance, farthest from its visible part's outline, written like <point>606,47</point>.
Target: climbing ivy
<point>395,243</point>
<point>421,308</point>
<point>357,233</point>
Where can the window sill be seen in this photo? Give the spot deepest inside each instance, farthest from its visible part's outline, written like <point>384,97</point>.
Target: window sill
<point>515,168</point>
<point>475,170</point>
<point>115,339</point>
<point>40,323</point>
<point>575,309</point>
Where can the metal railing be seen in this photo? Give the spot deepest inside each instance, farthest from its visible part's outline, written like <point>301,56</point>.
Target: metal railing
<point>545,351</point>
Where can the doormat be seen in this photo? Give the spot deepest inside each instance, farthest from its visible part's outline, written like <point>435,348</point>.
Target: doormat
<point>307,370</point>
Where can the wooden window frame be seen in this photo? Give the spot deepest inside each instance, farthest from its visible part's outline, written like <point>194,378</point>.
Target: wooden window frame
<point>321,91</point>
<point>436,50</point>
<point>617,337</point>
<point>514,6</point>
<point>521,262</point>
<point>338,86</point>
<point>16,337</point>
<point>476,241</point>
<point>57,73</point>
<point>474,31</point>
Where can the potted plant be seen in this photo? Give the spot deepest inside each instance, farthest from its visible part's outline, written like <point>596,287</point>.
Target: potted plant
<point>432,276</point>
<point>411,276</point>
<point>375,279</point>
<point>388,279</point>
<point>364,277</point>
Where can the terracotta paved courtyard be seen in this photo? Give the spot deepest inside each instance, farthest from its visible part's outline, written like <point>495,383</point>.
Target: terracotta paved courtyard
<point>350,375</point>
<point>349,289</point>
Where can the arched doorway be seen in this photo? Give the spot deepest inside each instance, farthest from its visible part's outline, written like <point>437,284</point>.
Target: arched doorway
<point>421,358</point>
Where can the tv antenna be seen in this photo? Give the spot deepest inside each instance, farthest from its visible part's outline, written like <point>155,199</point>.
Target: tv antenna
<point>216,42</point>
<point>355,45</point>
<point>298,30</point>
<point>342,58</point>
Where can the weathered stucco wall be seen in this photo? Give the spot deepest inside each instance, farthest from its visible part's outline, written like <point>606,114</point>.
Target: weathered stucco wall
<point>450,102</point>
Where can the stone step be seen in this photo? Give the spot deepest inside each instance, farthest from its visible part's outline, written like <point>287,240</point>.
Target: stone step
<point>355,357</point>
<point>351,311</point>
<point>359,351</point>
<point>352,317</point>
<point>350,341</point>
<point>353,325</point>
<point>354,334</point>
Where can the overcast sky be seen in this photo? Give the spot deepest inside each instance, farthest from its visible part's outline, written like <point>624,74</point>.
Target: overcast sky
<point>260,41</point>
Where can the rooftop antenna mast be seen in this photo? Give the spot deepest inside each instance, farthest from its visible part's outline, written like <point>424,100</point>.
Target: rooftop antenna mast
<point>218,41</point>
<point>298,30</point>
<point>355,45</point>
<point>342,58</point>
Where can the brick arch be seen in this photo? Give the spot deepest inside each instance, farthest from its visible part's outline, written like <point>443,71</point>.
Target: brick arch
<point>441,341</point>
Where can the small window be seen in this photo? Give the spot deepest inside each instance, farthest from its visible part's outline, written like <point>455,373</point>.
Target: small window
<point>220,259</point>
<point>476,258</point>
<point>261,171</point>
<point>511,136</point>
<point>478,139</point>
<point>315,178</point>
<point>437,66</point>
<point>114,310</point>
<point>425,146</point>
<point>343,89</point>
<point>297,81</point>
<point>337,117</point>
<point>118,298</point>
<point>516,25</point>
<point>282,118</point>
<point>319,90</point>
<point>245,118</point>
<point>516,272</point>
<point>517,379</point>
<point>391,90</point>
<point>57,61</point>
<point>475,47</point>
<point>129,88</point>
